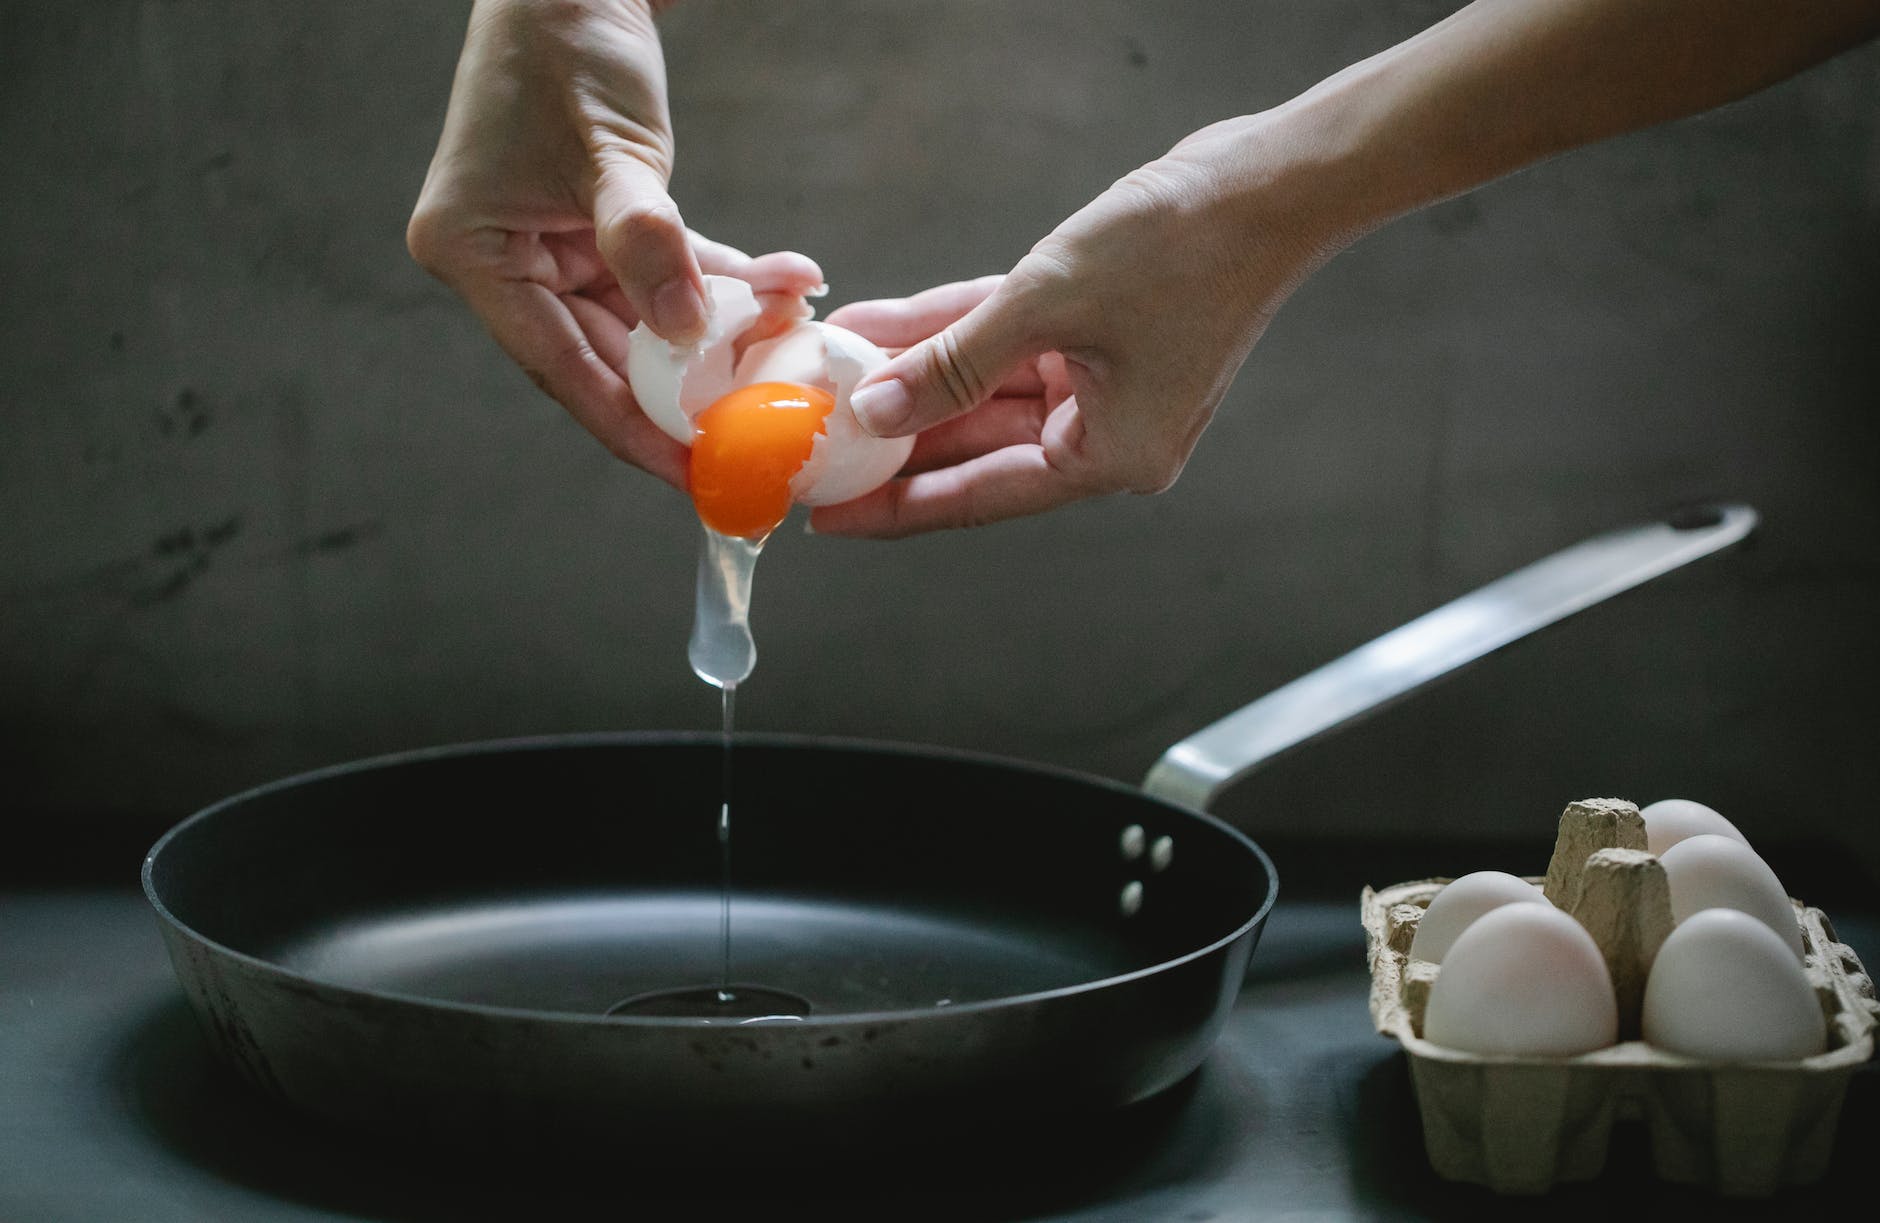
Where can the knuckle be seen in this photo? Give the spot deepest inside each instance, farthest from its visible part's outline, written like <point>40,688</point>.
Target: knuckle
<point>1154,472</point>
<point>968,508</point>
<point>1164,185</point>
<point>899,516</point>
<point>1140,465</point>
<point>1044,278</point>
<point>951,367</point>
<point>425,239</point>
<point>637,224</point>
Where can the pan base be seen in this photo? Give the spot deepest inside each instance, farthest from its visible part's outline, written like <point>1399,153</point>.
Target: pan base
<point>735,1001</point>
<point>585,953</point>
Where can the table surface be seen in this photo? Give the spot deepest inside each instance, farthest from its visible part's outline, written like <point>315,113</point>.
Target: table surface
<point>111,1109</point>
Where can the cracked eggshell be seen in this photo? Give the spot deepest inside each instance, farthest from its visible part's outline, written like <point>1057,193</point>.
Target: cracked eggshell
<point>845,460</point>
<point>1460,903</point>
<point>675,382</point>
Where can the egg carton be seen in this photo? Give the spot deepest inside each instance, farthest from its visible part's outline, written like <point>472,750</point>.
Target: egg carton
<point>1523,1124</point>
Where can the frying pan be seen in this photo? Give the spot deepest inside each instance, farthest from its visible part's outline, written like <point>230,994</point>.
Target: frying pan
<point>428,944</point>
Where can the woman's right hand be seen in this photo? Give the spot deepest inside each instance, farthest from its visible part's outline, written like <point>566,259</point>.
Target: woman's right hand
<point>546,209</point>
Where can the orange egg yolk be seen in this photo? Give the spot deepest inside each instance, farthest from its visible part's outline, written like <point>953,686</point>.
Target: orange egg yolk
<point>745,449</point>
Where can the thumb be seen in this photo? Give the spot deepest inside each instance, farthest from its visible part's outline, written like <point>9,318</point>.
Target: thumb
<point>952,372</point>
<point>642,238</point>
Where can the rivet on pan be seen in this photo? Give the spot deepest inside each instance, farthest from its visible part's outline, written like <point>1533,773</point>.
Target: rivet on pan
<point>1161,853</point>
<point>1131,899</point>
<point>1133,840</point>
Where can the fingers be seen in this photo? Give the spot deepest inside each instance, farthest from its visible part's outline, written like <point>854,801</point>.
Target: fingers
<point>1007,483</point>
<point>1004,420</point>
<point>781,280</point>
<point>645,244</point>
<point>605,330</point>
<point>953,371</point>
<point>777,272</point>
<point>546,336</point>
<point>902,322</point>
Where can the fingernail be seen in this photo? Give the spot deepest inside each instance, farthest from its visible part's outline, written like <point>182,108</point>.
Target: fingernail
<point>819,291</point>
<point>678,311</point>
<point>883,407</point>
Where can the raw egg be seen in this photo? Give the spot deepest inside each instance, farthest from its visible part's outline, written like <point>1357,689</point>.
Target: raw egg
<point>747,448</point>
<point>769,448</point>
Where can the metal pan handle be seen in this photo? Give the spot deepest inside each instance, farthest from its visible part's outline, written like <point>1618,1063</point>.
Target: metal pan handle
<point>1198,768</point>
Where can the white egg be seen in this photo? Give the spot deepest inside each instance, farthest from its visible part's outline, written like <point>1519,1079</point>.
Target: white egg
<point>674,383</point>
<point>1523,980</point>
<point>1725,987</point>
<point>1670,820</point>
<point>1460,902</point>
<point>1709,871</point>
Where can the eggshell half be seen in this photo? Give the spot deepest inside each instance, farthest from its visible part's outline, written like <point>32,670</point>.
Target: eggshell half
<point>1523,980</point>
<point>1710,871</point>
<point>1726,988</point>
<point>1670,820</point>
<point>1461,901</point>
<point>675,382</point>
<point>847,460</point>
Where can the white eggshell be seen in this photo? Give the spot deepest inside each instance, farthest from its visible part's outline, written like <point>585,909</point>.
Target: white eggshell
<point>1460,902</point>
<point>845,460</point>
<point>1709,871</point>
<point>848,460</point>
<point>1523,980</point>
<point>795,355</point>
<point>1725,987</point>
<point>1670,820</point>
<point>675,382</point>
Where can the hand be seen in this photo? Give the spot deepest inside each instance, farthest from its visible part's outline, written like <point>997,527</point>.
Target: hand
<point>1154,294</point>
<point>1095,364</point>
<point>1015,411</point>
<point>546,209</point>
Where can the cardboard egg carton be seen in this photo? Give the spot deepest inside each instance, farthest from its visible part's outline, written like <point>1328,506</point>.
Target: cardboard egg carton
<point>1523,1124</point>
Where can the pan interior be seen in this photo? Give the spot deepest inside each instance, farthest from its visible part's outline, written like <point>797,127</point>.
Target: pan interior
<point>565,877</point>
<point>584,953</point>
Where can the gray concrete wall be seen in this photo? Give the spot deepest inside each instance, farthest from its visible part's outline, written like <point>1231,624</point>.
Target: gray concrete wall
<point>269,498</point>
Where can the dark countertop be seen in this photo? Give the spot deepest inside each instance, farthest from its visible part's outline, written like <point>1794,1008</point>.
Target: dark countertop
<point>110,1109</point>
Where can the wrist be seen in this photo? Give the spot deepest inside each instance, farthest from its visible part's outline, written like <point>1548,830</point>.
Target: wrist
<point>1292,181</point>
<point>1421,122</point>
<point>1353,166</point>
<point>553,14</point>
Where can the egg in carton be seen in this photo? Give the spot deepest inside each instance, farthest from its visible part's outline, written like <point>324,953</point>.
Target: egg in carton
<point>1520,1124</point>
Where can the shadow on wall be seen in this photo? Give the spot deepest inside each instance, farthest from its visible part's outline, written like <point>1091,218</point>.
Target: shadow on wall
<point>269,498</point>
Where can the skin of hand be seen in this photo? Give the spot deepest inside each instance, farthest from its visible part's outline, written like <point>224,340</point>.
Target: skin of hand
<point>546,209</point>
<point>1096,363</point>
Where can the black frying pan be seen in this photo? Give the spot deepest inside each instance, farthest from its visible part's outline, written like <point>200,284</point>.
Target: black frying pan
<point>428,944</point>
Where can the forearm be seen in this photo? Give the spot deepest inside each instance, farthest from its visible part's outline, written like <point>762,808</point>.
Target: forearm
<point>1502,84</point>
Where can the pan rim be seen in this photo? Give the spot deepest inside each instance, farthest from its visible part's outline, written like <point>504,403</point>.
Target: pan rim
<point>838,1020</point>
